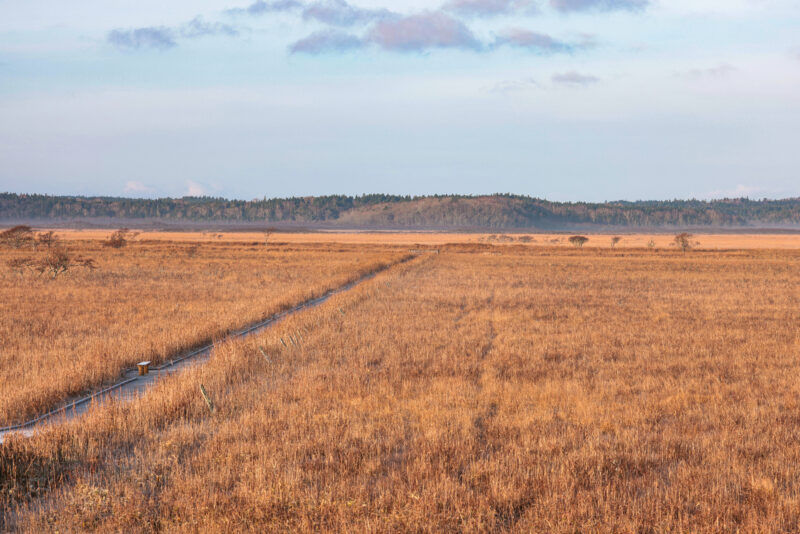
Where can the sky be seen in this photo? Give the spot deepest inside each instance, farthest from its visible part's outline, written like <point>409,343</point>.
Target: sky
<point>568,100</point>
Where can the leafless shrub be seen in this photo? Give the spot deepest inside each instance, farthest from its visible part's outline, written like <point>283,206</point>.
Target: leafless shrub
<point>683,241</point>
<point>56,261</point>
<point>17,237</point>
<point>615,240</point>
<point>651,244</point>
<point>59,260</point>
<point>267,234</point>
<point>118,239</point>
<point>47,239</point>
<point>578,241</point>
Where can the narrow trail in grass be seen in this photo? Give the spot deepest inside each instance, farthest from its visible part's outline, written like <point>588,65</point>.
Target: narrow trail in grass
<point>132,384</point>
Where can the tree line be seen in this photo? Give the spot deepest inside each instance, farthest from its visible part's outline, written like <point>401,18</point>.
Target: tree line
<point>502,211</point>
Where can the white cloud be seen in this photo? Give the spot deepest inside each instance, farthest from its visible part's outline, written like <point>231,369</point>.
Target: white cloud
<point>135,186</point>
<point>740,191</point>
<point>193,189</point>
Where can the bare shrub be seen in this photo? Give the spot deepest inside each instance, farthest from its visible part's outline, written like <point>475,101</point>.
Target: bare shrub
<point>17,236</point>
<point>615,240</point>
<point>683,241</point>
<point>118,239</point>
<point>268,234</point>
<point>578,241</point>
<point>47,239</point>
<point>58,260</point>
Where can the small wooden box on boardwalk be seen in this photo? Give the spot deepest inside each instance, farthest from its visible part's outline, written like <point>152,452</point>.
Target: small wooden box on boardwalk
<point>144,368</point>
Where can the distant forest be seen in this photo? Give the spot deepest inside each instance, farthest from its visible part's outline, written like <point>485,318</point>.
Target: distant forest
<point>388,211</point>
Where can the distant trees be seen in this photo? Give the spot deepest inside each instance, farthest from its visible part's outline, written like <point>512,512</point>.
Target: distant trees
<point>578,241</point>
<point>495,211</point>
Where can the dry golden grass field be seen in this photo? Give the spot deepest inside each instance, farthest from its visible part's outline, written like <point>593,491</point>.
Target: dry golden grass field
<point>145,301</point>
<point>484,389</point>
<point>543,240</point>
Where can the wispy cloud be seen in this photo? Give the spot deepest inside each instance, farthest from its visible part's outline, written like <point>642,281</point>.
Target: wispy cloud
<point>198,27</point>
<point>423,31</point>
<point>720,71</point>
<point>164,38</point>
<point>487,8</point>
<point>160,38</point>
<point>539,42</point>
<point>512,86</point>
<point>574,79</point>
<point>566,6</point>
<point>340,13</point>
<point>326,41</point>
<point>261,7</point>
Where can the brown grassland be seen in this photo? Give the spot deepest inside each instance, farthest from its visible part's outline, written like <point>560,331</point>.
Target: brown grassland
<point>497,389</point>
<point>146,301</point>
<point>705,241</point>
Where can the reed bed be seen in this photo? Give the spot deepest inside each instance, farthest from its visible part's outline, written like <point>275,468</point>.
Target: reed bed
<point>148,301</point>
<point>478,390</point>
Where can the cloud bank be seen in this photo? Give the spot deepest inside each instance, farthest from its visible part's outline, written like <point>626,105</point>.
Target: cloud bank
<point>412,33</point>
<point>385,29</point>
<point>423,31</point>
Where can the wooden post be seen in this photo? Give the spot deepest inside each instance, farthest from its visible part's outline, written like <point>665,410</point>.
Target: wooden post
<point>207,398</point>
<point>144,368</point>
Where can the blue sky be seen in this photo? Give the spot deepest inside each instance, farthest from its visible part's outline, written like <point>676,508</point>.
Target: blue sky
<point>563,99</point>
